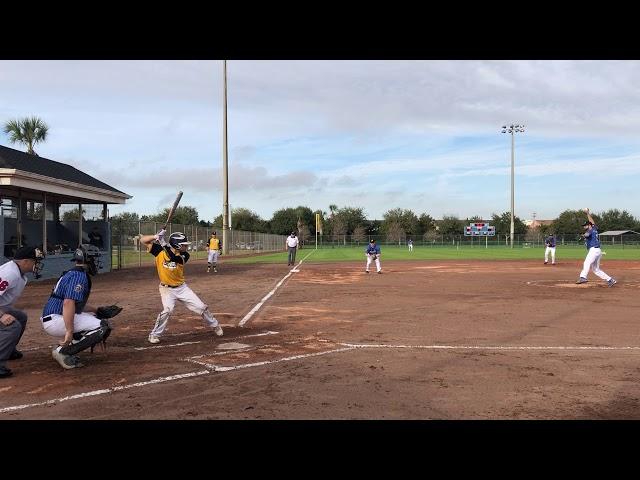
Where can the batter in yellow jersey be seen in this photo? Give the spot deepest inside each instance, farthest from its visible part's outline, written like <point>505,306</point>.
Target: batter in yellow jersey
<point>170,258</point>
<point>170,266</point>
<point>214,248</point>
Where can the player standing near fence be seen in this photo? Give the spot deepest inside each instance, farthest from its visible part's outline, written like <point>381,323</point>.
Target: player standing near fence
<point>550,242</point>
<point>592,242</point>
<point>170,259</point>
<point>214,248</point>
<point>373,254</point>
<point>410,244</point>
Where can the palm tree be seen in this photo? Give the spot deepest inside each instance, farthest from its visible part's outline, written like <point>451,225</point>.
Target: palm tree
<point>27,131</point>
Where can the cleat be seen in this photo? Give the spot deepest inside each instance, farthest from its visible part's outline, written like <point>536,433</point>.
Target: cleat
<point>16,355</point>
<point>208,270</point>
<point>379,271</point>
<point>581,280</point>
<point>218,331</point>
<point>611,282</point>
<point>154,339</point>
<point>66,361</point>
<point>5,372</point>
<point>546,263</point>
<point>215,270</point>
<point>366,271</point>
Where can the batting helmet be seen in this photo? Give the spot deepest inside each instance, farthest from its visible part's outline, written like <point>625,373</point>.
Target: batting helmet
<point>177,239</point>
<point>88,255</point>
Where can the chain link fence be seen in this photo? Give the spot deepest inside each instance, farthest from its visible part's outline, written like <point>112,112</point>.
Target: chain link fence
<point>529,240</point>
<point>128,252</point>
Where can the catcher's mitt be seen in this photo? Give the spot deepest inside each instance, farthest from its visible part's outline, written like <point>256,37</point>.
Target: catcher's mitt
<point>108,311</point>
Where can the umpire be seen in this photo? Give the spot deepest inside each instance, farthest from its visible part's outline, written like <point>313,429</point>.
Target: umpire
<point>13,279</point>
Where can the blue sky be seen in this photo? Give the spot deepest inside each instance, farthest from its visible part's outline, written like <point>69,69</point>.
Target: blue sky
<point>423,135</point>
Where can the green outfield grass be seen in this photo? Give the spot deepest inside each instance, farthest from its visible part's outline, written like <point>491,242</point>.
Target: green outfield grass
<point>348,254</point>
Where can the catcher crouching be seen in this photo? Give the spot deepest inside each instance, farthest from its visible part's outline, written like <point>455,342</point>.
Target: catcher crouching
<point>67,314</point>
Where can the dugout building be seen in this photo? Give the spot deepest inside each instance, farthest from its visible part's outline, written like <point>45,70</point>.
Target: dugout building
<point>40,205</point>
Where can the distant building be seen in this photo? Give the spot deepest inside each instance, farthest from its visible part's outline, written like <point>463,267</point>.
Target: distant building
<point>536,223</point>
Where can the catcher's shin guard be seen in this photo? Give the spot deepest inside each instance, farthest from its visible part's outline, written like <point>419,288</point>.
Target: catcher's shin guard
<point>87,339</point>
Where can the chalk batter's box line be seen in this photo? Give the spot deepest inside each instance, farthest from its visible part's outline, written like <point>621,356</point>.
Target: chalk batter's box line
<point>177,334</point>
<point>171,345</point>
<point>209,369</point>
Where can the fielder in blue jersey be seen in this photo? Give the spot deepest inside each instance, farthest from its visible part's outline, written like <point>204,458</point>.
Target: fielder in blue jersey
<point>592,242</point>
<point>550,242</point>
<point>373,254</point>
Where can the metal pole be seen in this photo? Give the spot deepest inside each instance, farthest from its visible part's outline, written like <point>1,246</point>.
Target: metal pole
<point>225,174</point>
<point>512,175</point>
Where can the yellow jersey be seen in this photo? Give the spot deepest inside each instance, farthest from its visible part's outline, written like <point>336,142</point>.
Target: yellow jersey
<point>170,266</point>
<point>214,244</point>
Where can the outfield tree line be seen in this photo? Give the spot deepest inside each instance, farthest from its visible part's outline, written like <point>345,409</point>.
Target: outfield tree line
<point>397,225</point>
<point>571,221</point>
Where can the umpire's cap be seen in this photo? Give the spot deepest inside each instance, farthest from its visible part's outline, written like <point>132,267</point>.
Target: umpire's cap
<point>373,240</point>
<point>26,253</point>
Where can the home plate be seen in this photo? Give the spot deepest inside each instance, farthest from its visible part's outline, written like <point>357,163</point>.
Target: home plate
<point>232,346</point>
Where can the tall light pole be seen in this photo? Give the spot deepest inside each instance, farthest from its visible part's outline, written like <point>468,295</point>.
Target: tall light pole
<point>512,129</point>
<point>225,173</point>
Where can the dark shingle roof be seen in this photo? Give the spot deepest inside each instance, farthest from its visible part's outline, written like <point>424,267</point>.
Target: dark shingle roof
<point>15,159</point>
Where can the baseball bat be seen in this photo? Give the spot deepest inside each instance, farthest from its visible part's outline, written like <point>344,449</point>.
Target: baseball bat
<point>173,210</point>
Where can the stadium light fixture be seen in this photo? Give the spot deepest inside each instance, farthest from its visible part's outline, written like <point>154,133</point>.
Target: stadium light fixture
<point>512,129</point>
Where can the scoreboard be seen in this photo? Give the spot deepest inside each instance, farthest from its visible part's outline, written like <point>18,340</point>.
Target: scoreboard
<point>479,229</point>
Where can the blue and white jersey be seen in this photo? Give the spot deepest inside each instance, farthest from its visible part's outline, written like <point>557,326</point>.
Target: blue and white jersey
<point>371,249</point>
<point>591,238</point>
<point>74,284</point>
<point>550,241</point>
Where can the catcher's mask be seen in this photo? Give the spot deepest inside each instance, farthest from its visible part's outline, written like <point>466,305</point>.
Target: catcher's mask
<point>88,255</point>
<point>31,253</point>
<point>178,239</point>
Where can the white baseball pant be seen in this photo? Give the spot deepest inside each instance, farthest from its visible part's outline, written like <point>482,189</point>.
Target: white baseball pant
<point>183,293</point>
<point>369,260</point>
<point>593,261</point>
<point>551,250</point>
<point>81,322</point>
<point>212,256</point>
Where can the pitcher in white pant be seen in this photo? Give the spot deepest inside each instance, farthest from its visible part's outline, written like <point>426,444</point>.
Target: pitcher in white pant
<point>373,254</point>
<point>592,242</point>
<point>550,242</point>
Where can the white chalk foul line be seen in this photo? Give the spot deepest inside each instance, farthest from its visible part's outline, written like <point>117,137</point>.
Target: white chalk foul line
<point>248,316</point>
<point>104,391</point>
<point>488,347</point>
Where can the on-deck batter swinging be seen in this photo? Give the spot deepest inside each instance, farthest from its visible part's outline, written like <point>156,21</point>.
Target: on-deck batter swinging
<point>170,260</point>
<point>214,248</point>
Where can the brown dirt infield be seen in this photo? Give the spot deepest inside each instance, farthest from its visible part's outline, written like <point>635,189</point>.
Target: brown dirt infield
<point>425,340</point>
